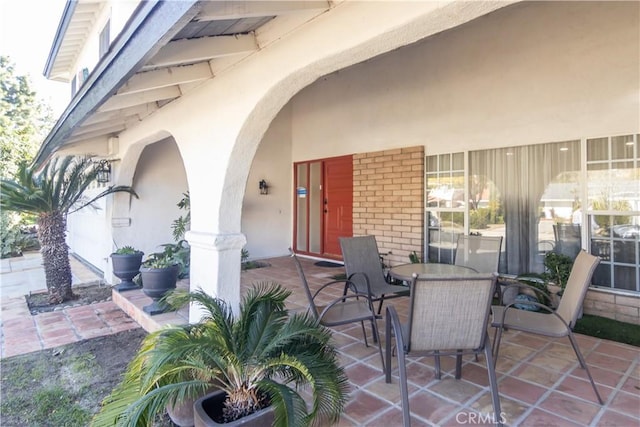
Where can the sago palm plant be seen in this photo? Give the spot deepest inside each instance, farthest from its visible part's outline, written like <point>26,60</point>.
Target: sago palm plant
<point>263,356</point>
<point>50,195</point>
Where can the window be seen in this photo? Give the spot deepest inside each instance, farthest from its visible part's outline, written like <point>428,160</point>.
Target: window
<point>613,192</point>
<point>105,39</point>
<point>540,198</point>
<point>524,191</point>
<point>445,200</point>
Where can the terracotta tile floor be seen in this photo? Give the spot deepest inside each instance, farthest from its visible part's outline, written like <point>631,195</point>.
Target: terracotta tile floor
<point>540,381</point>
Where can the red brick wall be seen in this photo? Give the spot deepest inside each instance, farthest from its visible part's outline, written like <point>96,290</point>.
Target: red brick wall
<point>388,200</point>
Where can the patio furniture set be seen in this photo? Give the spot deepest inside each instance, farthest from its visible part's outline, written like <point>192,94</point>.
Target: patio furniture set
<point>451,307</point>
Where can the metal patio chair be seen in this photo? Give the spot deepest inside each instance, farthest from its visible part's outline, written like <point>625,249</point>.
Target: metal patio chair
<point>482,253</point>
<point>549,322</point>
<point>447,317</point>
<point>362,265</point>
<point>348,308</point>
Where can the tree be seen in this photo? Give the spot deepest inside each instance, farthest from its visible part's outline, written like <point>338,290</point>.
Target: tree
<point>50,195</point>
<point>24,120</point>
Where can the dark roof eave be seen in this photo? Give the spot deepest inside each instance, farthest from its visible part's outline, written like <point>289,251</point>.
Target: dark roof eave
<point>153,25</point>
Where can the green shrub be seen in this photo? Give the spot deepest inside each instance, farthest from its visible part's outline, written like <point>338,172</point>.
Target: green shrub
<point>172,254</point>
<point>127,250</point>
<point>15,241</point>
<point>478,218</point>
<point>557,268</point>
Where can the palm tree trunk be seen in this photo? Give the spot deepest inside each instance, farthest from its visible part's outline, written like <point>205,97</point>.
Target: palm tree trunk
<point>55,256</point>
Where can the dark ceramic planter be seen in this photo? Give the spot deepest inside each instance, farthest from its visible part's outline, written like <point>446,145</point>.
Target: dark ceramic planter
<point>156,282</point>
<point>182,413</point>
<point>125,268</point>
<point>209,407</point>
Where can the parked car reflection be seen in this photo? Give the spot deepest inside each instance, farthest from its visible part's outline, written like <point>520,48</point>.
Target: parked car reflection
<point>626,231</point>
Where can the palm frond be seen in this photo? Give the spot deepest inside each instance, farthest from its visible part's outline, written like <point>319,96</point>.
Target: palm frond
<point>264,349</point>
<point>289,407</point>
<point>215,311</point>
<point>59,187</point>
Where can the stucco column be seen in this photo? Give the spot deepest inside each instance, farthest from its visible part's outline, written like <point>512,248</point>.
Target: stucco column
<point>215,267</point>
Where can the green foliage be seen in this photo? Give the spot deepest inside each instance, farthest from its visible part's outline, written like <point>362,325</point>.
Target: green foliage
<point>181,224</point>
<point>83,363</point>
<point>127,250</point>
<point>60,187</point>
<point>609,329</point>
<point>246,264</point>
<point>478,218</point>
<point>607,221</point>
<point>24,120</point>
<point>265,350</point>
<point>557,268</point>
<point>15,241</point>
<point>57,406</point>
<point>50,195</point>
<point>414,258</point>
<point>173,254</point>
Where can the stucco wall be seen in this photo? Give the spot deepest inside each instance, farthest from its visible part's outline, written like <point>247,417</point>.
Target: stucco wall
<point>88,234</point>
<point>529,73</point>
<point>267,219</point>
<point>160,181</point>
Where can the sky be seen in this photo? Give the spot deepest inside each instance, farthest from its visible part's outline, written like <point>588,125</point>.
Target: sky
<point>27,28</point>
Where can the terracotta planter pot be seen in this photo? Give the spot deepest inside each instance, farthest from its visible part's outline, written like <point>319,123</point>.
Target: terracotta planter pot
<point>209,407</point>
<point>126,267</point>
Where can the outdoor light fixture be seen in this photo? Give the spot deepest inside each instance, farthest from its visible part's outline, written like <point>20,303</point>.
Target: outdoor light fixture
<point>264,187</point>
<point>103,171</point>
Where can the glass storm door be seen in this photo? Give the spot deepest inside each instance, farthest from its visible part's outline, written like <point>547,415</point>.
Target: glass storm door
<point>323,205</point>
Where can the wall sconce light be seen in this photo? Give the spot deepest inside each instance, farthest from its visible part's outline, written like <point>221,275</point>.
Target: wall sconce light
<point>103,169</point>
<point>264,187</point>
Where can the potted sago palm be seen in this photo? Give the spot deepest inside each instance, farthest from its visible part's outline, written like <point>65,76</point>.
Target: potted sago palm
<point>257,361</point>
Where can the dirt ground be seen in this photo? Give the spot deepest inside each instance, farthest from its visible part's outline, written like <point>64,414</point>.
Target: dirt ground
<point>85,294</point>
<point>64,386</point>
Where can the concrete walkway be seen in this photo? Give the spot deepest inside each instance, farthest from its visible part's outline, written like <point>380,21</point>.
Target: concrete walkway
<point>23,333</point>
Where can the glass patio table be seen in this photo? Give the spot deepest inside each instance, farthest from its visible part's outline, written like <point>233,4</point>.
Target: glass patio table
<point>405,271</point>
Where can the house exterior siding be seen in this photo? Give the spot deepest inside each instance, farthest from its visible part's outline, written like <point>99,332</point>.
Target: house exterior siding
<point>524,74</point>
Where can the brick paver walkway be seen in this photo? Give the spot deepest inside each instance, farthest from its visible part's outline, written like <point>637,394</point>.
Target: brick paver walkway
<point>23,333</point>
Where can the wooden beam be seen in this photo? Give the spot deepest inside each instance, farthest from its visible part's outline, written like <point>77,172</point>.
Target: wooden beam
<point>106,132</point>
<point>202,49</point>
<point>117,102</point>
<point>166,77</point>
<point>219,10</point>
<point>141,111</point>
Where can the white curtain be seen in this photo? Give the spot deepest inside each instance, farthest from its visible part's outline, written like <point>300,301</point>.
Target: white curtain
<point>520,175</point>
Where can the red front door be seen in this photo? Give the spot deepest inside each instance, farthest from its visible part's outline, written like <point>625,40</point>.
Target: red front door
<point>323,205</point>
<point>338,203</point>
